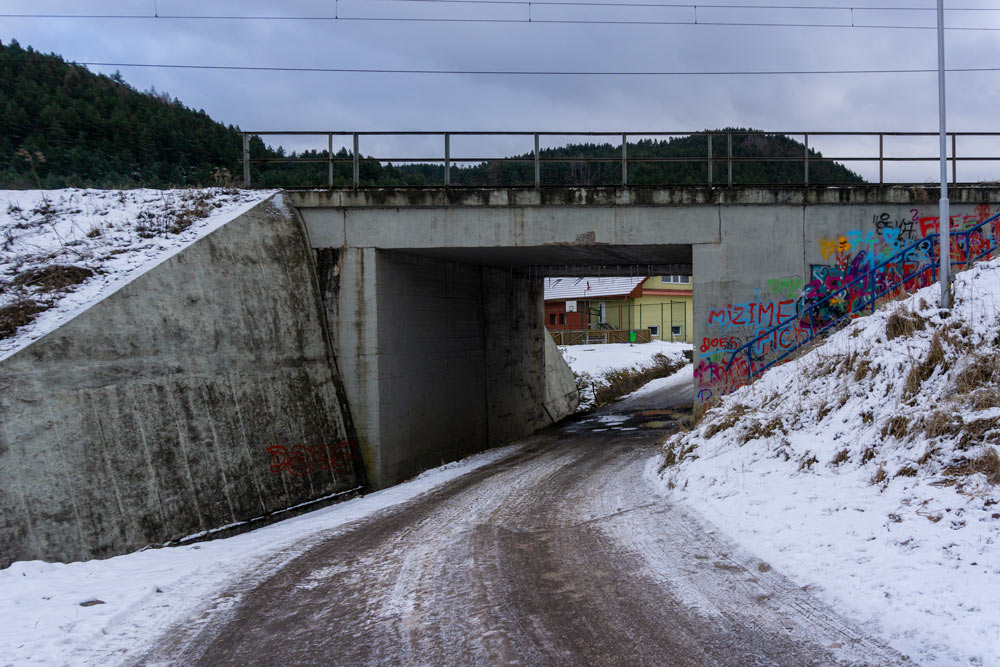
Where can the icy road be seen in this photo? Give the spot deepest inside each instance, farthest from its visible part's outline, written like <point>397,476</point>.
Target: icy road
<point>562,553</point>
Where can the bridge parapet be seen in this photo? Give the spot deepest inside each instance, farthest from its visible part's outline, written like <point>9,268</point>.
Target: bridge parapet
<point>726,158</point>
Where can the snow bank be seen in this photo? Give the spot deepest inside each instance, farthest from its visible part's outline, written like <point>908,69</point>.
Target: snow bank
<point>109,611</point>
<point>866,469</point>
<point>61,251</point>
<point>591,363</point>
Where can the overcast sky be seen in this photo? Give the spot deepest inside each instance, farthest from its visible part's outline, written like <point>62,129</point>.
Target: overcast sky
<point>340,101</point>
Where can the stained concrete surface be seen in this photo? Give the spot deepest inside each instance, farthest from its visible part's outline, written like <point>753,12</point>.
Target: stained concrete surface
<point>200,394</point>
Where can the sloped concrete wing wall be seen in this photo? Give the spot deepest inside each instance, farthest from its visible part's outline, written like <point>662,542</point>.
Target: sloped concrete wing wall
<point>561,395</point>
<point>203,393</point>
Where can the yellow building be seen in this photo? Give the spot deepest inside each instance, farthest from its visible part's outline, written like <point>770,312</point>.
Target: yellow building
<point>661,304</point>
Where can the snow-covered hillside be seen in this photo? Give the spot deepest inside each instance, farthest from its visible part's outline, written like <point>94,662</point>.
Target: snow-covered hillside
<point>598,366</point>
<point>868,470</point>
<point>63,250</point>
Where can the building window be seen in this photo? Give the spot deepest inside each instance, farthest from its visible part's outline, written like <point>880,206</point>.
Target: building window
<point>676,279</point>
<point>675,330</point>
<point>552,318</point>
<point>654,331</point>
<point>562,318</point>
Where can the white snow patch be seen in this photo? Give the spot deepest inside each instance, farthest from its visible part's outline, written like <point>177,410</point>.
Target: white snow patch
<point>142,594</point>
<point>117,234</point>
<point>682,376</point>
<point>913,556</point>
<point>590,363</point>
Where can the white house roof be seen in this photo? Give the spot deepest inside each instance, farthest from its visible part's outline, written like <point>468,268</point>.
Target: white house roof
<point>557,289</point>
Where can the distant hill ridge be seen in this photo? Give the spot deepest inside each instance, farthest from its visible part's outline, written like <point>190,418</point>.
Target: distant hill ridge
<point>64,126</point>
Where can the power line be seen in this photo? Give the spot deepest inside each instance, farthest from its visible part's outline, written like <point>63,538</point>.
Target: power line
<point>354,70</point>
<point>646,22</point>
<point>579,3</point>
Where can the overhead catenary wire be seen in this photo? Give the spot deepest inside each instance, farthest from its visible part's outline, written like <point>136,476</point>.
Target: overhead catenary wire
<point>375,70</point>
<point>534,19</point>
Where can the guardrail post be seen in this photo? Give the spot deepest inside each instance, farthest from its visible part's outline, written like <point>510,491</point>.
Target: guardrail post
<point>806,142</point>
<point>329,160</point>
<point>624,160</point>
<point>538,166</point>
<point>246,160</point>
<point>729,157</point>
<point>710,158</point>
<point>881,162</point>
<point>447,159</point>
<point>357,164</point>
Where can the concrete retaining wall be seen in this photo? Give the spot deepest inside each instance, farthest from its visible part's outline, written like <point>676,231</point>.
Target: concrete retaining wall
<point>773,259</point>
<point>200,394</point>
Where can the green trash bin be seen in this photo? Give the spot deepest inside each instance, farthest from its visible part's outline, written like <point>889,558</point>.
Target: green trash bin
<point>631,336</point>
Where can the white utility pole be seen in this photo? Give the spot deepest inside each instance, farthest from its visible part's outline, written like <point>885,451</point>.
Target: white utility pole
<point>944,252</point>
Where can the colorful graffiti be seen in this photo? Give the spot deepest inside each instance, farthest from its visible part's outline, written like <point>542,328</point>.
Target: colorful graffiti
<point>860,255</point>
<point>302,460</point>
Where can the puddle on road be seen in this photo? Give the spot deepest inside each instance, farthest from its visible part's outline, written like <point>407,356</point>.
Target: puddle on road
<point>664,419</point>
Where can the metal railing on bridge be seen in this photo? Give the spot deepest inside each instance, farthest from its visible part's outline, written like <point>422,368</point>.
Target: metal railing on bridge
<point>719,154</point>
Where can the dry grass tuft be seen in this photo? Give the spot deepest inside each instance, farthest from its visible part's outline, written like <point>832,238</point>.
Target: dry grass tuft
<point>921,372</point>
<point>940,423</point>
<point>807,461</point>
<point>762,430</point>
<point>906,471</point>
<point>861,372</point>
<point>669,458</point>
<point>901,326</point>
<point>728,421</point>
<point>895,427</point>
<point>979,432</point>
<point>868,454</point>
<point>824,410</point>
<point>981,371</point>
<point>984,399</point>
<point>927,455</point>
<point>988,464</point>
<point>842,457</point>
<point>18,314</point>
<point>54,277</point>
<point>880,476</point>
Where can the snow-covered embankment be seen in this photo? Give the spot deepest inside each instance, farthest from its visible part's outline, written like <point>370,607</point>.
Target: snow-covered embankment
<point>868,470</point>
